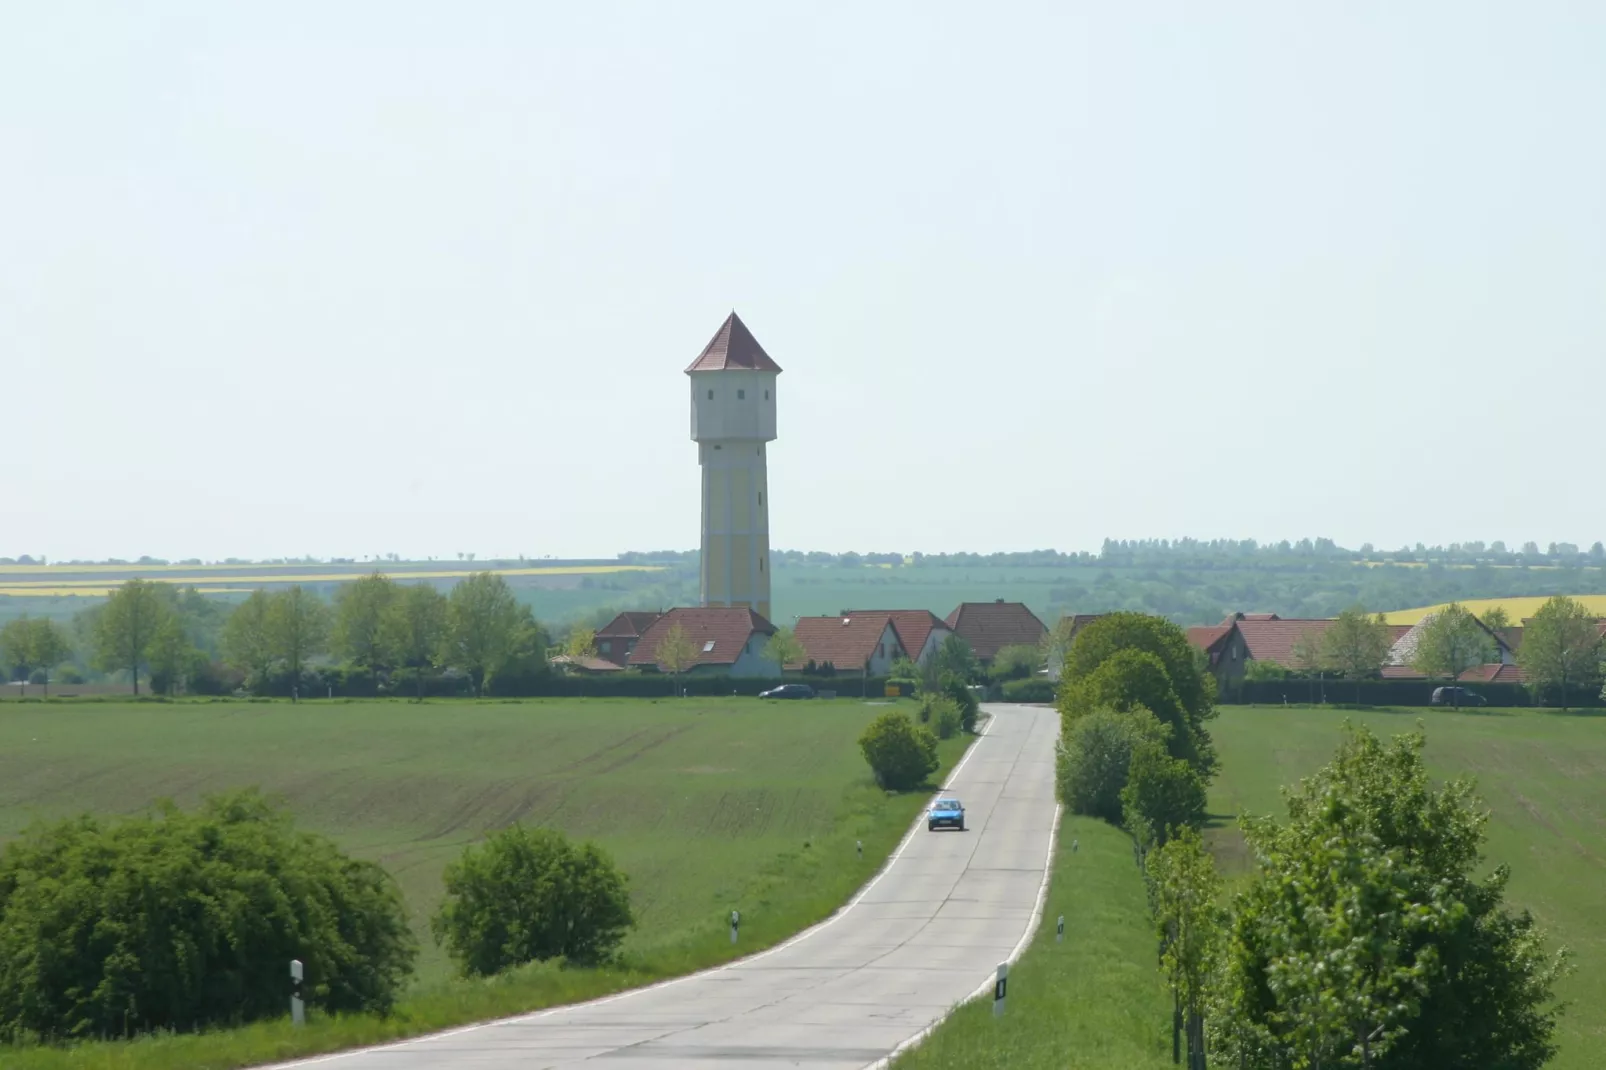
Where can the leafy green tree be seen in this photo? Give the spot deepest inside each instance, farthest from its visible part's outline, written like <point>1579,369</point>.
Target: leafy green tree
<point>1561,649</point>
<point>1369,936</point>
<point>581,645</point>
<point>1015,663</point>
<point>964,699</point>
<point>1185,893</point>
<point>531,895</point>
<point>1357,645</point>
<point>1496,619</point>
<point>675,651</point>
<point>30,644</point>
<point>955,658</point>
<point>1056,643</point>
<point>1162,796</point>
<point>297,631</point>
<point>183,920</point>
<point>360,608</point>
<point>1134,679</point>
<point>1192,685</point>
<point>524,665</point>
<point>901,753</point>
<point>126,624</point>
<point>1094,756</point>
<point>482,616</point>
<point>246,642</point>
<point>413,630</point>
<point>1309,654</point>
<point>1450,642</point>
<point>942,714</point>
<point>173,657</point>
<point>784,648</point>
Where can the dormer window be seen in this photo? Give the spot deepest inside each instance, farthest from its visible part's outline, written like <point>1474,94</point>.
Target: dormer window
<point>708,647</point>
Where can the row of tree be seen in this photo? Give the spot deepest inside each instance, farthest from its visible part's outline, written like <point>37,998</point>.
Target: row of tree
<point>1371,934</point>
<point>375,626</point>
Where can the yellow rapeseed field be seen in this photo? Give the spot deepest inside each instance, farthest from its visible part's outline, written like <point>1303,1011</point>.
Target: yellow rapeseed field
<point>1516,608</point>
<point>232,584</point>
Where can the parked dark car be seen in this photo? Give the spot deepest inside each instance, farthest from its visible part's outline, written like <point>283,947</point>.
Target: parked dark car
<point>1456,696</point>
<point>788,691</point>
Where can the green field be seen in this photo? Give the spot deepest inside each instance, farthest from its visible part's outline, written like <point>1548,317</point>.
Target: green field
<point>1542,775</point>
<point>707,805</point>
<point>1093,1002</point>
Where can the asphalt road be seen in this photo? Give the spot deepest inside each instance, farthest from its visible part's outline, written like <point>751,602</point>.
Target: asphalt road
<point>917,940</point>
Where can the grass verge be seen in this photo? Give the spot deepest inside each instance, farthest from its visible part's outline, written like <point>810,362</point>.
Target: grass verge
<point>1093,1002</point>
<point>718,803</point>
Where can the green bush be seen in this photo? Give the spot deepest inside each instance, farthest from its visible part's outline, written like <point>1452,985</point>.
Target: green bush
<point>901,753</point>
<point>1033,690</point>
<point>531,895</point>
<point>1163,795</point>
<point>964,698</point>
<point>182,921</point>
<point>1018,662</point>
<point>1094,756</point>
<point>943,714</point>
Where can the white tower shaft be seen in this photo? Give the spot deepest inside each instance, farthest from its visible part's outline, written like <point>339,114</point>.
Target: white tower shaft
<point>732,417</point>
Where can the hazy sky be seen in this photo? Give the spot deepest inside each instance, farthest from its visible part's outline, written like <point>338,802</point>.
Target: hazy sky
<point>346,279</point>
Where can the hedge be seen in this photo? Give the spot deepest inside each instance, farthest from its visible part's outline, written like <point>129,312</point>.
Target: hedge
<point>1034,690</point>
<point>1383,693</point>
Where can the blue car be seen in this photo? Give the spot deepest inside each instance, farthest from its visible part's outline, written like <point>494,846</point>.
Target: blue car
<point>945,813</point>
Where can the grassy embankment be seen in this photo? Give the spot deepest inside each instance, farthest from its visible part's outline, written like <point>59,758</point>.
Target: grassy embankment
<point>708,805</point>
<point>1096,1001</point>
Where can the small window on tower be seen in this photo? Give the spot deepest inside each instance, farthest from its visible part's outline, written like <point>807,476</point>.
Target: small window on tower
<point>710,395</point>
<point>741,395</point>
<point>761,564</point>
<point>761,497</point>
<point>766,395</point>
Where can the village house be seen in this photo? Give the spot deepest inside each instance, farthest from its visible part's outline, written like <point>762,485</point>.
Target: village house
<point>617,639</point>
<point>920,631</point>
<point>989,627</point>
<point>725,640</point>
<point>851,643</point>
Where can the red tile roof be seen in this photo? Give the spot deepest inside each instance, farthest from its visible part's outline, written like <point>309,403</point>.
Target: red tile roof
<point>589,664</point>
<point>847,642</point>
<point>733,348</point>
<point>914,626</point>
<point>1495,673</point>
<point>727,629</point>
<point>627,626</point>
<point>990,626</point>
<point>1205,638</point>
<point>1273,640</point>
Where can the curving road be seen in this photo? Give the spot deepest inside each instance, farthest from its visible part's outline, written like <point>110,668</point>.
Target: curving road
<point>918,939</point>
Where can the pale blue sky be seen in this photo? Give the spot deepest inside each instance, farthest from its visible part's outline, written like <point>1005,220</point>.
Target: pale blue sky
<point>353,278</point>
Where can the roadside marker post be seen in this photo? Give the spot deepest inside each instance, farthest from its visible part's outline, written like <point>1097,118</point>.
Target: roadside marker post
<point>859,845</point>
<point>999,987</point>
<point>1059,931</point>
<point>298,1009</point>
<point>736,921</point>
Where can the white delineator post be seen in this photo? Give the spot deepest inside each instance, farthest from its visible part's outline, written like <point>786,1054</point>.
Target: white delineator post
<point>1059,930</point>
<point>999,988</point>
<point>298,1009</point>
<point>736,923</point>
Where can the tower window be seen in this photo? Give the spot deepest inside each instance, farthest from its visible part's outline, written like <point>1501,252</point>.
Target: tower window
<point>761,564</point>
<point>766,395</point>
<point>710,395</point>
<point>741,395</point>
<point>761,497</point>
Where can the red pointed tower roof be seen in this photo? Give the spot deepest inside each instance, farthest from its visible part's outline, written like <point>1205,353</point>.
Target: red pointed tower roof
<point>733,348</point>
